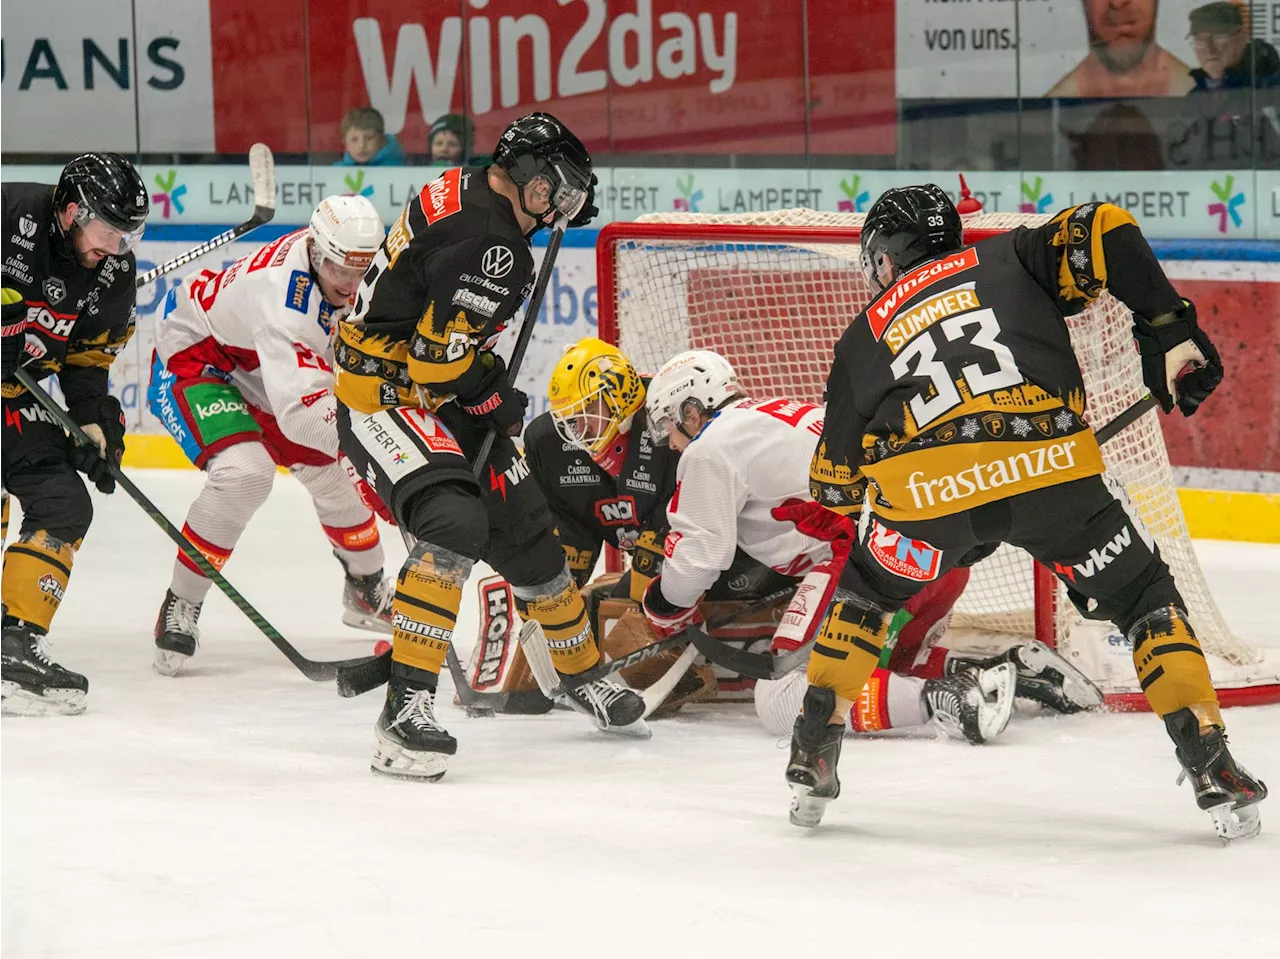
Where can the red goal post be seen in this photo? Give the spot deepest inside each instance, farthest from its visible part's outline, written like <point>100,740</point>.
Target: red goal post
<point>773,291</point>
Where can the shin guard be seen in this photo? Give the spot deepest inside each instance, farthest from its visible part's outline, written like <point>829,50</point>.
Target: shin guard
<point>36,570</point>
<point>1171,666</point>
<point>848,647</point>
<point>425,610</point>
<point>558,608</point>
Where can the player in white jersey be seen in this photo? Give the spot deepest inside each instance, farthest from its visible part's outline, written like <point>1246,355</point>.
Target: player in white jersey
<point>242,379</point>
<point>742,483</point>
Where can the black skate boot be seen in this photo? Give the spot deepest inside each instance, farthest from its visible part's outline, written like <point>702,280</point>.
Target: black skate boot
<point>33,684</point>
<point>409,743</point>
<point>366,600</point>
<point>1223,788</point>
<point>815,753</point>
<point>613,706</point>
<point>176,634</point>
<point>973,704</point>
<point>1043,677</point>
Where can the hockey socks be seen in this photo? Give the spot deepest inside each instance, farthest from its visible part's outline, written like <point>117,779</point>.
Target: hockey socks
<point>559,610</point>
<point>36,570</point>
<point>847,649</point>
<point>425,609</point>
<point>1171,666</point>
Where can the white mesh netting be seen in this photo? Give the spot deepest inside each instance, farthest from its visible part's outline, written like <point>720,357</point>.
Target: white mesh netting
<point>773,291</point>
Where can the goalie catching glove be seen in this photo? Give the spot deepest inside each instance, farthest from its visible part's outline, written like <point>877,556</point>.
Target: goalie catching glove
<point>1170,342</point>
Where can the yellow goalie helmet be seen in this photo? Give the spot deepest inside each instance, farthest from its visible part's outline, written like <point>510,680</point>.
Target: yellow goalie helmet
<point>594,392</point>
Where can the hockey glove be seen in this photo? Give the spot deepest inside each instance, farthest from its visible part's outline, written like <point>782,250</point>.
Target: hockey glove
<point>14,339</point>
<point>589,209</point>
<point>103,422</point>
<point>813,520</point>
<point>495,398</point>
<point>666,618</point>
<point>1168,344</point>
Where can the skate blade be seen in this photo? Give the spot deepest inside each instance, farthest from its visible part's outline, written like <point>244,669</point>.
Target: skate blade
<point>1076,686</point>
<point>394,761</point>
<point>168,662</point>
<point>1000,682</point>
<point>16,701</point>
<point>366,621</point>
<point>1235,823</point>
<point>806,809</point>
<point>637,730</point>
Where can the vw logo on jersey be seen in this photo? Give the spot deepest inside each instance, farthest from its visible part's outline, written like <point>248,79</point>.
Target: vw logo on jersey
<point>55,290</point>
<point>497,262</point>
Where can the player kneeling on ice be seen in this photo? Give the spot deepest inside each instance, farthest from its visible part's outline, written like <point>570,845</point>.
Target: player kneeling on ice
<point>420,389</point>
<point>68,308</point>
<point>957,396</point>
<point>242,378</point>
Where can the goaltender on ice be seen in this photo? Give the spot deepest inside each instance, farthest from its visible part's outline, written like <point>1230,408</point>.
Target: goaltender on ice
<point>68,308</point>
<point>955,418</point>
<point>419,389</point>
<point>242,378</point>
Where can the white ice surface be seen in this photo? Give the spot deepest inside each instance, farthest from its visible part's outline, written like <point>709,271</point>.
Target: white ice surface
<point>231,812</point>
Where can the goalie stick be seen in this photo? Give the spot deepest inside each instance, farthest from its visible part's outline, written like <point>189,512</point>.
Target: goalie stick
<point>262,173</point>
<point>312,669</point>
<point>364,675</point>
<point>768,666</point>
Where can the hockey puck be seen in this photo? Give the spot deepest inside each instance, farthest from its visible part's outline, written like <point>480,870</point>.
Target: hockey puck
<point>381,647</point>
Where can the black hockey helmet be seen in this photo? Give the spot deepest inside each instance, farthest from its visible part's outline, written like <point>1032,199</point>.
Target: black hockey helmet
<point>105,187</point>
<point>539,145</point>
<point>909,224</point>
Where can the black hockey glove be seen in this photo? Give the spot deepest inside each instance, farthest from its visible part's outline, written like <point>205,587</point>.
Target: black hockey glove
<point>589,209</point>
<point>14,318</point>
<point>103,420</point>
<point>495,398</point>
<point>1168,344</point>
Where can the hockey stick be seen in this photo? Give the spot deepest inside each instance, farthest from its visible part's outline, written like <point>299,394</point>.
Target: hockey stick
<point>374,672</point>
<point>768,666</point>
<point>312,669</point>
<point>262,171</point>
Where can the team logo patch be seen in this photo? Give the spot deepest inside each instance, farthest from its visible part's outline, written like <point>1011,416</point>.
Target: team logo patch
<point>497,262</point>
<point>27,226</point>
<point>55,290</point>
<point>993,423</point>
<point>912,559</point>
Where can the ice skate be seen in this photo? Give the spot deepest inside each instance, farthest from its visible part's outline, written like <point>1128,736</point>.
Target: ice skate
<point>409,742</point>
<point>33,684</point>
<point>1223,788</point>
<point>613,706</point>
<point>973,704</point>
<point>366,601</point>
<point>1043,677</point>
<point>815,753</point>
<point>177,636</point>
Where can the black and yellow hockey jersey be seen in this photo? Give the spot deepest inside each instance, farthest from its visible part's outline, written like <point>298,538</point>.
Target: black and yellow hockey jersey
<point>958,385</point>
<point>78,319</point>
<point>451,273</point>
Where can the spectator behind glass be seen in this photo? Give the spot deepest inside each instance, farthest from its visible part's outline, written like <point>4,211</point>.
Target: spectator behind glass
<point>366,140</point>
<point>449,140</point>
<point>1124,59</point>
<point>1228,58</point>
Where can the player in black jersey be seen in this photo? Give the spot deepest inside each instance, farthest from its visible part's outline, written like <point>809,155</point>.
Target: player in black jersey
<point>419,388</point>
<point>68,311</point>
<point>955,403</point>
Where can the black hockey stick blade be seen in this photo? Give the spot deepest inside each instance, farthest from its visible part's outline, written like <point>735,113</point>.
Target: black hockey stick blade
<point>262,173</point>
<point>313,669</point>
<point>477,703</point>
<point>1126,418</point>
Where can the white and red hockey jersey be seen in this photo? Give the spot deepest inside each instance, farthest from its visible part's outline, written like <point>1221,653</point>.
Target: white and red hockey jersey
<point>752,457</point>
<point>262,325</point>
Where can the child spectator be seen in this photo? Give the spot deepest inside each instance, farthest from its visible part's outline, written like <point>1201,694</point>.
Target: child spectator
<point>449,140</point>
<point>366,140</point>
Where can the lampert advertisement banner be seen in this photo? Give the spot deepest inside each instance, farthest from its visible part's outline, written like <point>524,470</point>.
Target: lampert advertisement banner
<point>123,75</point>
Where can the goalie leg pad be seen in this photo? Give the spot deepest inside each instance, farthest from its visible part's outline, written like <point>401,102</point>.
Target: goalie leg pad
<point>1171,666</point>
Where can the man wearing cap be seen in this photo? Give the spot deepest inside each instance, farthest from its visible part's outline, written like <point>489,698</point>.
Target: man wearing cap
<point>1228,58</point>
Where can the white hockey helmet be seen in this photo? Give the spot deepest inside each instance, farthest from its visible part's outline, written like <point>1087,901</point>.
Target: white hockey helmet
<point>694,381</point>
<point>346,230</point>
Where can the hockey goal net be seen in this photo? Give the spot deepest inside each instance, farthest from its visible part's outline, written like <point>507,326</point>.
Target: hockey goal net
<point>772,292</point>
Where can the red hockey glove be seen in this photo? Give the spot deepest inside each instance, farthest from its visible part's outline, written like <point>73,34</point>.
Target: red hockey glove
<point>666,618</point>
<point>813,520</point>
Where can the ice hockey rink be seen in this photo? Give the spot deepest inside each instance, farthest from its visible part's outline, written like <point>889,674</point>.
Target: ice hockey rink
<point>231,811</point>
